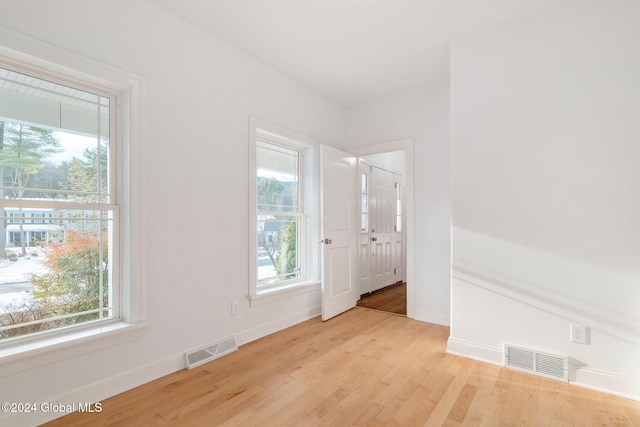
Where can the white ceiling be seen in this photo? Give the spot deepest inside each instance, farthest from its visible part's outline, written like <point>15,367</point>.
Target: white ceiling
<point>352,51</point>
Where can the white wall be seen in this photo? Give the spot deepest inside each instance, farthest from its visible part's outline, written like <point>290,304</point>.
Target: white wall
<point>546,207</point>
<point>199,95</point>
<point>422,115</point>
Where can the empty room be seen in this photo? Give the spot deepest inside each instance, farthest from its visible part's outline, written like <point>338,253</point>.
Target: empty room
<point>197,196</point>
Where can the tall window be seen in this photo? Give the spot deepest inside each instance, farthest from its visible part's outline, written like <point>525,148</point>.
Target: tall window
<point>279,213</point>
<point>57,161</point>
<point>364,201</point>
<point>398,206</point>
<point>281,229</point>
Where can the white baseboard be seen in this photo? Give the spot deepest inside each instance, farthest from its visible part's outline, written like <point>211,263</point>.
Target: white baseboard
<point>431,317</point>
<point>483,353</point>
<point>108,387</point>
<point>596,380</point>
<point>608,383</point>
<point>276,325</point>
<point>97,391</point>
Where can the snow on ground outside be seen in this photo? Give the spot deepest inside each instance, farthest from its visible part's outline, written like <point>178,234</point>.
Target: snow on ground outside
<point>20,271</point>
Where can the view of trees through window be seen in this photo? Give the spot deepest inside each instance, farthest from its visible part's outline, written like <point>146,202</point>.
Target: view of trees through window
<point>56,208</point>
<point>279,212</point>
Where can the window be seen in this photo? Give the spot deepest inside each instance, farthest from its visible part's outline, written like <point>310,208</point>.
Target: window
<point>38,215</point>
<point>364,200</point>
<point>281,257</point>
<point>398,207</point>
<point>279,213</point>
<point>65,229</point>
<point>56,154</point>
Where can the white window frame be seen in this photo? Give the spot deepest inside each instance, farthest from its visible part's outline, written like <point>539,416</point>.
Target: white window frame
<point>309,281</point>
<point>49,62</point>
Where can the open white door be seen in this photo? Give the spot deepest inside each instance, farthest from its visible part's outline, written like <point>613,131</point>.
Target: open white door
<point>339,231</point>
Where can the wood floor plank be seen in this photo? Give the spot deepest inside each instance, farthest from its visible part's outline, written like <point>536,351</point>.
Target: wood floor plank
<point>458,412</point>
<point>392,299</point>
<point>483,377</point>
<point>460,371</point>
<point>528,414</point>
<point>513,403</point>
<point>580,407</point>
<point>363,367</point>
<point>629,408</point>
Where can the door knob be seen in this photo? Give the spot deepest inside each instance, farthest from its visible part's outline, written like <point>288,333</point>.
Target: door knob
<point>326,241</point>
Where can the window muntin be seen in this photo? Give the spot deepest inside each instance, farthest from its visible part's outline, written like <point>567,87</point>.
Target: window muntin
<point>279,180</point>
<point>56,162</point>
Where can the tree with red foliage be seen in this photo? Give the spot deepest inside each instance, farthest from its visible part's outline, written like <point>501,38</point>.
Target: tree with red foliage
<point>77,271</point>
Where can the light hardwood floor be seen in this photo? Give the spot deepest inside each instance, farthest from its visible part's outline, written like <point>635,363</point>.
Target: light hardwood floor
<point>363,367</point>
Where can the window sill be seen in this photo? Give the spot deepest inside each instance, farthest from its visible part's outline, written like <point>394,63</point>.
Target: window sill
<point>25,355</point>
<point>286,291</point>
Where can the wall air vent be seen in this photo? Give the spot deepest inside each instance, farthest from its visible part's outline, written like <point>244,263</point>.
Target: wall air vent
<point>210,352</point>
<point>535,362</point>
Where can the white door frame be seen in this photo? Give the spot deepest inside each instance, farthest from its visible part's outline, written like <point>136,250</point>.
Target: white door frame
<point>408,146</point>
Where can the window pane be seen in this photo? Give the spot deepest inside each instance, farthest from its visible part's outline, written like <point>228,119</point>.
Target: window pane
<point>54,272</point>
<point>277,175</point>
<point>398,207</point>
<point>279,249</point>
<point>364,198</point>
<point>54,141</point>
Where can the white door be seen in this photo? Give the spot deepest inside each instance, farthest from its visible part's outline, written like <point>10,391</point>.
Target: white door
<point>339,231</point>
<point>383,234</point>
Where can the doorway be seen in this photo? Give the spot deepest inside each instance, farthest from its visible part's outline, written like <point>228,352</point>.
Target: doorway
<point>337,299</point>
<point>385,243</point>
<point>381,238</point>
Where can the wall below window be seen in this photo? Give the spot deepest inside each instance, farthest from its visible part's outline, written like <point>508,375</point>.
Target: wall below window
<point>545,189</point>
